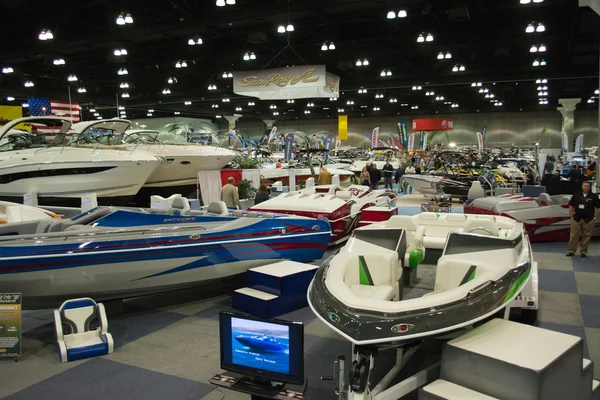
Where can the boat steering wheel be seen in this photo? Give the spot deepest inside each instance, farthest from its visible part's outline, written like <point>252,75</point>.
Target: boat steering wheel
<point>482,229</point>
<point>355,191</point>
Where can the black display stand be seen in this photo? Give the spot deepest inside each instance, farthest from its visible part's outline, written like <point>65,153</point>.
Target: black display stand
<point>258,389</point>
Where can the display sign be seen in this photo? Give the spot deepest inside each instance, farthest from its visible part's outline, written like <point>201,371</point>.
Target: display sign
<point>564,141</point>
<point>338,144</point>
<point>328,140</point>
<point>375,138</point>
<point>403,133</point>
<point>424,136</point>
<point>579,144</point>
<point>411,142</point>
<point>299,82</point>
<point>272,134</point>
<point>10,324</point>
<point>342,127</point>
<point>483,132</point>
<point>479,140</point>
<point>289,144</point>
<point>433,124</point>
<point>292,178</point>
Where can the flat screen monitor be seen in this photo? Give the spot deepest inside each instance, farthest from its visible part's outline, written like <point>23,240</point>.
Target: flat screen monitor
<point>264,349</point>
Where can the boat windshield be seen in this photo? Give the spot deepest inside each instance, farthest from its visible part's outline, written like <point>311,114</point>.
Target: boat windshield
<point>38,135</point>
<point>107,133</point>
<point>141,137</point>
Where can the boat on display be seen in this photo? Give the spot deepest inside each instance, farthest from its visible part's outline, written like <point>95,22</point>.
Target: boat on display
<point>109,253</point>
<point>262,343</point>
<point>342,207</point>
<point>179,172</point>
<point>546,218</point>
<point>378,159</point>
<point>60,174</point>
<point>485,264</point>
<point>15,212</point>
<point>302,172</point>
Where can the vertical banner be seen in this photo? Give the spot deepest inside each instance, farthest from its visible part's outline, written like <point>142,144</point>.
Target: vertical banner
<point>375,138</point>
<point>411,142</point>
<point>424,136</point>
<point>403,133</point>
<point>272,134</point>
<point>579,144</point>
<point>292,178</point>
<point>483,132</point>
<point>338,144</point>
<point>10,324</point>
<point>564,140</point>
<point>420,145</point>
<point>342,127</point>
<point>328,140</point>
<point>289,144</point>
<point>480,140</point>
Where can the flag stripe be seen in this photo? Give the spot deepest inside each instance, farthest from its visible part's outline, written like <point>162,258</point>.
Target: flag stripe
<point>56,108</point>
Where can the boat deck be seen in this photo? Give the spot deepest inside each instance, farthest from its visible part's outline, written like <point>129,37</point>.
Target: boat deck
<point>168,344</point>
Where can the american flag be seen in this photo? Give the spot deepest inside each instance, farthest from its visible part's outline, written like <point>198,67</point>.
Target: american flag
<point>57,108</point>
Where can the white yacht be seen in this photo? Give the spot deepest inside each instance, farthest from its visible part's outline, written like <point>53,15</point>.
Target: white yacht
<point>60,174</point>
<point>183,160</point>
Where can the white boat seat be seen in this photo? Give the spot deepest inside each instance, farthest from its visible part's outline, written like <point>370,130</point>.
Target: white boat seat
<point>252,214</point>
<point>344,194</point>
<point>383,292</point>
<point>217,208</point>
<point>179,206</point>
<point>237,213</point>
<point>544,199</point>
<point>482,227</point>
<point>434,242</point>
<point>414,233</point>
<point>457,218</point>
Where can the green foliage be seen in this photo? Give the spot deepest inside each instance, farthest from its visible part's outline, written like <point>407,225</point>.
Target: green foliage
<point>246,163</point>
<point>430,138</point>
<point>246,190</point>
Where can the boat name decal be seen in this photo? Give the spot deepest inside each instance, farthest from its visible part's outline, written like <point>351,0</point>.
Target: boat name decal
<point>180,219</point>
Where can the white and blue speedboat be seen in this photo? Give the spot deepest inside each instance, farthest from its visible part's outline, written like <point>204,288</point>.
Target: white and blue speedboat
<point>112,253</point>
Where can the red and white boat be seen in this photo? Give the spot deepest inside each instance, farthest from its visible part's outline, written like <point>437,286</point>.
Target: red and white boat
<point>342,207</point>
<point>546,218</point>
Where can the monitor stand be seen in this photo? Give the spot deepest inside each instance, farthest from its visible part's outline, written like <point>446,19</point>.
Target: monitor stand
<point>258,388</point>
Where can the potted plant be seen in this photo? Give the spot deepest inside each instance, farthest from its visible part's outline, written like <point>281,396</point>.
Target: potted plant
<point>246,192</point>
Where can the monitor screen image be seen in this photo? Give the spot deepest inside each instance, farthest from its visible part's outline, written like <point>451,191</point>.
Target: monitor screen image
<point>266,349</point>
<point>260,345</point>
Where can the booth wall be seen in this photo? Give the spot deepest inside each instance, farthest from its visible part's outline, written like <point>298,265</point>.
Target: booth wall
<point>504,129</point>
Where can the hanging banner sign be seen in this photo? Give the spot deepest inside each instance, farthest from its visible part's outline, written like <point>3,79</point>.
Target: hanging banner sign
<point>272,134</point>
<point>411,142</point>
<point>338,144</point>
<point>402,133</point>
<point>433,124</point>
<point>299,82</point>
<point>375,138</point>
<point>342,127</point>
<point>564,141</point>
<point>480,140</point>
<point>292,178</point>
<point>289,144</point>
<point>483,132</point>
<point>579,144</point>
<point>424,136</point>
<point>10,324</point>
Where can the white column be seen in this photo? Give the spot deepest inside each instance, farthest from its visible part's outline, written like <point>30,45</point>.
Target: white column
<point>568,117</point>
<point>269,123</point>
<point>232,119</point>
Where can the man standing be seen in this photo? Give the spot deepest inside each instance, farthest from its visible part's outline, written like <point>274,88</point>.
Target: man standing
<point>229,194</point>
<point>375,177</point>
<point>584,208</point>
<point>387,175</point>
<point>398,178</point>
<point>324,177</point>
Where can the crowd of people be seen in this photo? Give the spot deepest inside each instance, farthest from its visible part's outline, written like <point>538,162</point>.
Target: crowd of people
<point>371,176</point>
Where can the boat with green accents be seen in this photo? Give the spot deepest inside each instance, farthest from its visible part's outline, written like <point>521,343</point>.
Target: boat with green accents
<point>483,264</point>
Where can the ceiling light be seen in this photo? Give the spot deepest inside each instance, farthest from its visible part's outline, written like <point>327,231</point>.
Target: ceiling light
<point>448,55</point>
<point>58,61</point>
<point>533,49</point>
<point>455,68</point>
<point>121,108</point>
<point>590,100</point>
<point>122,71</point>
<point>187,103</point>
<point>124,85</point>
<point>440,56</point>
<point>7,70</point>
<point>420,38</point>
<point>306,111</point>
<point>324,47</point>
<point>246,57</point>
<point>220,3</point>
<point>290,101</point>
<point>538,1</point>
<point>331,46</point>
<point>96,115</point>
<point>536,63</point>
<point>358,62</point>
<point>251,103</point>
<point>597,91</point>
<point>28,84</point>
<point>166,91</point>
<point>289,28</point>
<point>429,38</point>
<point>543,63</point>
<point>333,99</point>
<point>542,48</point>
<point>525,1</point>
<point>125,95</point>
<point>393,100</point>
<point>183,64</point>
<point>215,106</point>
<point>10,98</point>
<point>414,108</point>
<point>376,108</point>
<point>540,28</point>
<point>120,20</point>
<point>178,64</point>
<point>217,116</point>
<point>46,34</point>
<point>275,112</point>
<point>225,100</point>
<point>191,42</point>
<point>82,90</point>
<point>230,2</point>
<point>382,73</point>
<point>473,84</point>
<point>391,15</point>
<point>281,29</point>
<point>462,68</point>
<point>72,78</point>
<point>365,62</point>
<point>128,19</point>
<point>454,105</point>
<point>238,109</point>
<point>530,28</point>
<point>402,14</point>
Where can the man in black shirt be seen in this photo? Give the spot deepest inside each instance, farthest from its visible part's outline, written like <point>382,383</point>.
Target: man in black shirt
<point>584,208</point>
<point>388,170</point>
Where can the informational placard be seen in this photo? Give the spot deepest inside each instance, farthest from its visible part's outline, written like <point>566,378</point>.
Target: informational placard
<point>10,324</point>
<point>292,177</point>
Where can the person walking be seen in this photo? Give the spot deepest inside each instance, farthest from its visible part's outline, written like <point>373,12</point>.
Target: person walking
<point>262,194</point>
<point>399,180</point>
<point>375,177</point>
<point>388,170</point>
<point>365,178</point>
<point>230,195</point>
<point>584,208</point>
<point>324,177</point>
<point>410,170</point>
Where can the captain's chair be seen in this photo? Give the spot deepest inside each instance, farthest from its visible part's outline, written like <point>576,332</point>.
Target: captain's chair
<point>414,234</point>
<point>373,276</point>
<point>344,195</point>
<point>82,330</point>
<point>217,208</point>
<point>179,206</point>
<point>544,200</point>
